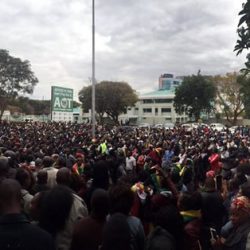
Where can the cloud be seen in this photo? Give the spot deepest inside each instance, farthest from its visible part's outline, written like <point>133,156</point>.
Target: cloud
<point>136,40</point>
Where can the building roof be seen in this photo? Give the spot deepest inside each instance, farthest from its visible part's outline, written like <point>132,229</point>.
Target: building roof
<point>77,110</point>
<point>159,94</point>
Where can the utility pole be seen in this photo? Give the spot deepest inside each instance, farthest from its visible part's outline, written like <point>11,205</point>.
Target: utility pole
<point>93,70</point>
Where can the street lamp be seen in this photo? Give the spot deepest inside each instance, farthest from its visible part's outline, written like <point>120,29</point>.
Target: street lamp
<point>93,70</point>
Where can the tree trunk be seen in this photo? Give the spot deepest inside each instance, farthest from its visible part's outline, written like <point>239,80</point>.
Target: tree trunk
<point>3,104</point>
<point>1,114</point>
<point>2,109</point>
<point>197,116</point>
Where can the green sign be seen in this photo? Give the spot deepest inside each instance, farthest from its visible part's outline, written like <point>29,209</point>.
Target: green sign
<point>61,99</point>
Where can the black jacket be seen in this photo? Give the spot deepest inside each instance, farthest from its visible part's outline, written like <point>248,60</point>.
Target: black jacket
<point>213,210</point>
<point>16,233</point>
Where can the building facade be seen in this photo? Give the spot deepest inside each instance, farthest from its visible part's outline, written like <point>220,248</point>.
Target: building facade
<point>157,106</point>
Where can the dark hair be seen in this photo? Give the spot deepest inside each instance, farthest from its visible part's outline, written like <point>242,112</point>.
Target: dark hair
<point>209,184</point>
<point>4,166</point>
<point>22,175</point>
<point>100,203</point>
<point>116,233</point>
<point>47,161</point>
<point>241,178</point>
<point>169,218</point>
<point>190,201</point>
<point>187,176</point>
<point>233,184</point>
<point>121,199</point>
<point>63,176</point>
<point>101,175</point>
<point>55,209</point>
<point>9,190</point>
<point>42,177</point>
<point>245,189</point>
<point>244,168</point>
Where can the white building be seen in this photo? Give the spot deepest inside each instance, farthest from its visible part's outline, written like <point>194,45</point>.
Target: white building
<point>157,106</point>
<point>153,108</point>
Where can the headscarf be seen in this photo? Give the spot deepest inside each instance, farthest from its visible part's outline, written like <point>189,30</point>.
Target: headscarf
<point>241,203</point>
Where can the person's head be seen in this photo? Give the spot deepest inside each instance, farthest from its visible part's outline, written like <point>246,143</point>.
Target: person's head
<point>63,176</point>
<point>55,209</point>
<point>55,157</point>
<point>67,151</point>
<point>11,157</point>
<point>245,190</point>
<point>241,178</point>
<point>4,166</point>
<point>99,204</point>
<point>233,185</point>
<point>47,161</point>
<point>36,205</point>
<point>209,184</point>
<point>116,233</point>
<point>42,177</point>
<point>101,175</point>
<point>38,163</point>
<point>189,201</point>
<point>10,196</point>
<point>24,178</point>
<point>121,199</point>
<point>169,218</point>
<point>240,210</point>
<point>79,158</point>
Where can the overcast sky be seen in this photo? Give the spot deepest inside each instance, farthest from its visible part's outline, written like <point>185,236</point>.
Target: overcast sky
<point>136,40</point>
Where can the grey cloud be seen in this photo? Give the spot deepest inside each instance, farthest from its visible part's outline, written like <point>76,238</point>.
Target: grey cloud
<point>137,40</point>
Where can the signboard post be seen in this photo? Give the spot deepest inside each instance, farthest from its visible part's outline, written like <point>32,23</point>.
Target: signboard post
<point>61,104</point>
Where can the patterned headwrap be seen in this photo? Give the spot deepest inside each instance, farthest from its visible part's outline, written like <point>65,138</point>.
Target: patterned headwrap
<point>210,173</point>
<point>241,203</point>
<point>141,190</point>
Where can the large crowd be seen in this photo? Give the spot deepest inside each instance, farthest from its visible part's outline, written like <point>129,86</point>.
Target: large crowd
<point>128,188</point>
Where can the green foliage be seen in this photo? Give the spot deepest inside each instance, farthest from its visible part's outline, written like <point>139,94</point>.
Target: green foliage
<point>32,107</point>
<point>230,96</point>
<point>243,43</point>
<point>16,78</point>
<point>195,95</point>
<point>112,99</point>
<point>244,81</point>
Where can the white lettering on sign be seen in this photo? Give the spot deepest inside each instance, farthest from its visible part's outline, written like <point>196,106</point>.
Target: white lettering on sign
<point>57,102</point>
<point>64,103</point>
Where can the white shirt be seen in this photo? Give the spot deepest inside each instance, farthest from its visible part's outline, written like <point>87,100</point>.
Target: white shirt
<point>130,163</point>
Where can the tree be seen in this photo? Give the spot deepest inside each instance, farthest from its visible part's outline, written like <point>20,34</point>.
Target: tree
<point>195,95</point>
<point>230,96</point>
<point>243,43</point>
<point>112,99</point>
<point>15,77</point>
<point>244,81</point>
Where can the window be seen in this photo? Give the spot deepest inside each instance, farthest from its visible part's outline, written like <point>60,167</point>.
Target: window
<point>156,110</point>
<point>147,101</point>
<point>147,110</point>
<point>166,110</point>
<point>163,100</point>
<point>136,109</point>
<point>129,108</point>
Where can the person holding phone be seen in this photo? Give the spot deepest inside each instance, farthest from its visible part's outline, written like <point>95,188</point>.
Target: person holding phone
<point>239,228</point>
<point>213,210</point>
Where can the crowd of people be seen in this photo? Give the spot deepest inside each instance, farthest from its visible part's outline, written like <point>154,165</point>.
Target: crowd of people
<point>128,188</point>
